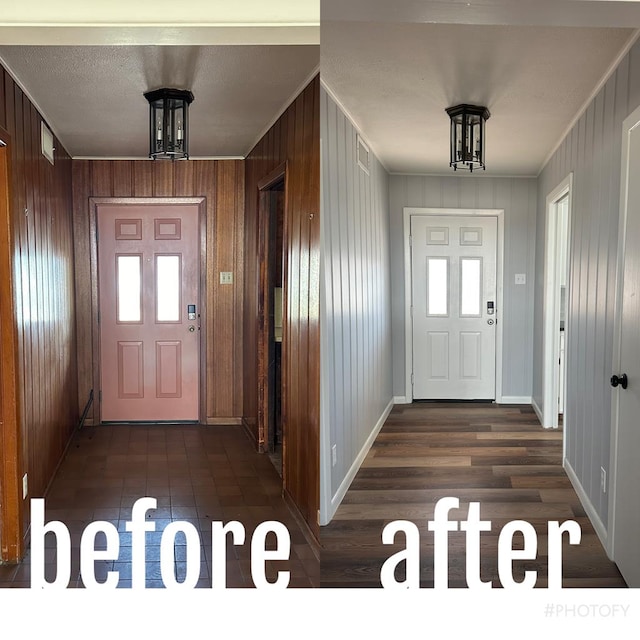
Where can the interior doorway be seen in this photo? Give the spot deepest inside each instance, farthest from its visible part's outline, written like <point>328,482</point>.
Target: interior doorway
<point>271,305</point>
<point>556,296</point>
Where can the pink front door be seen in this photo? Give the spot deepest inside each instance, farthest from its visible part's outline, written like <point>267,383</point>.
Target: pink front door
<point>148,279</point>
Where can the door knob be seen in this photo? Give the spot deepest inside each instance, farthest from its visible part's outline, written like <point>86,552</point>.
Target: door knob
<point>619,380</point>
<point>192,328</point>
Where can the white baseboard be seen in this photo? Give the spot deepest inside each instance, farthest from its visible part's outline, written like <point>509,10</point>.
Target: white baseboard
<point>351,474</point>
<point>401,400</point>
<point>515,400</point>
<point>597,523</point>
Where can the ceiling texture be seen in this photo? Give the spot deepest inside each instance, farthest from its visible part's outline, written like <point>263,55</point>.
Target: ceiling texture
<point>394,67</point>
<point>535,65</point>
<point>87,66</point>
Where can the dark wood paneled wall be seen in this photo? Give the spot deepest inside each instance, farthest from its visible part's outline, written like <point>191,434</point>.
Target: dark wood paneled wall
<point>221,182</point>
<point>41,216</point>
<point>294,139</point>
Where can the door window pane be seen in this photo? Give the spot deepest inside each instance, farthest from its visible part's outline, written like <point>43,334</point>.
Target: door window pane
<point>168,288</point>
<point>437,286</point>
<point>470,286</point>
<point>129,301</point>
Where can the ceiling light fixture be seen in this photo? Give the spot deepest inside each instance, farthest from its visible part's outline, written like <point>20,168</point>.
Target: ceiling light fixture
<point>467,135</point>
<point>169,123</point>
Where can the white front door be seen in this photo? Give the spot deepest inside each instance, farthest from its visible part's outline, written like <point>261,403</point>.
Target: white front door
<point>626,402</point>
<point>453,273</point>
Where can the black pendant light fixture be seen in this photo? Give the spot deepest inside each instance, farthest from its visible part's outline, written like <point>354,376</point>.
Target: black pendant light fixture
<point>467,135</point>
<point>169,123</point>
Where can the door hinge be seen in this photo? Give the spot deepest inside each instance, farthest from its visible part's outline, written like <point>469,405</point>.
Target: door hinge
<point>412,379</point>
<point>411,311</point>
<point>100,395</point>
<point>410,241</point>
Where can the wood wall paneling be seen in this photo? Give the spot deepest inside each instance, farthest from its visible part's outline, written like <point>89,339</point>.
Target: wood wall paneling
<point>43,276</point>
<point>356,363</point>
<point>592,151</point>
<point>222,184</point>
<point>293,139</point>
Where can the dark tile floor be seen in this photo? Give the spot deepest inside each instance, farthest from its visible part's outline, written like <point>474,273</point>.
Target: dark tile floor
<point>197,474</point>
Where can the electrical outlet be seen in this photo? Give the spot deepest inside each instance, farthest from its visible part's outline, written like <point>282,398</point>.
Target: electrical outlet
<point>521,278</point>
<point>226,277</point>
<point>334,455</point>
<point>603,480</point>
<point>25,486</point>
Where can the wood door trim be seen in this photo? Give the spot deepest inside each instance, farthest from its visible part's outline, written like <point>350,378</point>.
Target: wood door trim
<point>94,203</point>
<point>272,177</point>
<point>263,337</point>
<point>11,503</point>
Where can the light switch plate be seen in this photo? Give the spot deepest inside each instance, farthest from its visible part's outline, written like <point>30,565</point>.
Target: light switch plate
<point>521,278</point>
<point>226,277</point>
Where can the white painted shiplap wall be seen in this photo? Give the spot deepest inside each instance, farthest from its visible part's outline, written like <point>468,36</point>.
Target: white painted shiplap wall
<point>517,196</point>
<point>355,387</point>
<point>592,151</point>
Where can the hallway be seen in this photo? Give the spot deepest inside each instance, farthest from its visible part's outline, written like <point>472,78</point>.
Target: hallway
<point>498,456</point>
<point>196,473</point>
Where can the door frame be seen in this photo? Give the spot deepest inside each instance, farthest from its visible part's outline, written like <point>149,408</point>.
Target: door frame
<point>551,313</point>
<point>11,499</point>
<point>94,203</point>
<point>408,285</point>
<point>264,300</point>
<point>630,123</point>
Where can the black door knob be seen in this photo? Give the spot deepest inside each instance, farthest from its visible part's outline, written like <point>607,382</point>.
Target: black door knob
<point>619,380</point>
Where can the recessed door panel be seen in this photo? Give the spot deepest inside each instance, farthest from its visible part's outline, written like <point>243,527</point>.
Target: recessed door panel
<point>438,355</point>
<point>130,370</point>
<point>169,369</point>
<point>470,355</point>
<point>148,273</point>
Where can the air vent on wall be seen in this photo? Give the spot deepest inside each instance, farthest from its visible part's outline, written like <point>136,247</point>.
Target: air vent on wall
<point>46,138</point>
<point>362,153</point>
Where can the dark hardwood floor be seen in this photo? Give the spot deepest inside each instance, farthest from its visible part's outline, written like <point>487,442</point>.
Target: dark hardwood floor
<point>498,456</point>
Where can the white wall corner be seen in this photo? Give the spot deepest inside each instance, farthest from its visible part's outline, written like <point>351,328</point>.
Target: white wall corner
<point>537,409</point>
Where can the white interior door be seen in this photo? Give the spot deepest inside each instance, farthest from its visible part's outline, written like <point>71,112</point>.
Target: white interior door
<point>626,402</point>
<point>454,314</point>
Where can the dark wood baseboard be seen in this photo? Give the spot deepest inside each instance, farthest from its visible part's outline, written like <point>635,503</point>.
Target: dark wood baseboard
<point>310,537</point>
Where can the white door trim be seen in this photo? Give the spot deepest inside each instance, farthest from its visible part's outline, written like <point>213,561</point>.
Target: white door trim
<point>550,331</point>
<point>630,123</point>
<point>408,325</point>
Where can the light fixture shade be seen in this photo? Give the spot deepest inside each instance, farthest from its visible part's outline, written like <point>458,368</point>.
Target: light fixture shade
<point>467,135</point>
<point>169,123</point>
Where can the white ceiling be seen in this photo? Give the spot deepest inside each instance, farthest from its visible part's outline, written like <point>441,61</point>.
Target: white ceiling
<point>87,65</point>
<point>396,74</point>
